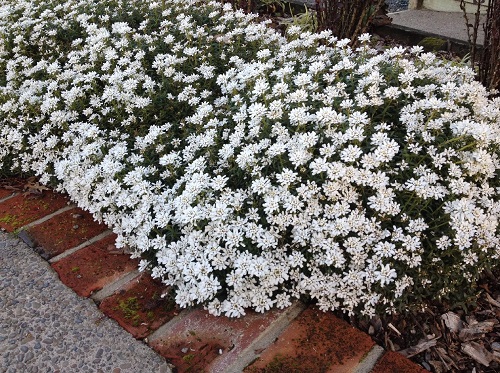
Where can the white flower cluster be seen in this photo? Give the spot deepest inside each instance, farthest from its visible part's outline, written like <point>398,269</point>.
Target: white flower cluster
<point>247,168</point>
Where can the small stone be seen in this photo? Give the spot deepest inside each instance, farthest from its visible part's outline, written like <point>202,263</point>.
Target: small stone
<point>184,350</point>
<point>28,356</point>
<point>426,366</point>
<point>77,216</point>
<point>47,340</point>
<point>37,345</point>
<point>75,226</point>
<point>24,349</point>
<point>98,355</point>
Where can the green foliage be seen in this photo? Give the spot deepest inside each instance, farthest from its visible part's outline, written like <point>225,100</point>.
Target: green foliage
<point>307,20</point>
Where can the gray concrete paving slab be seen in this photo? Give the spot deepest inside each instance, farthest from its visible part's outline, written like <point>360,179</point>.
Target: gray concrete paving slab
<point>46,327</point>
<point>447,25</point>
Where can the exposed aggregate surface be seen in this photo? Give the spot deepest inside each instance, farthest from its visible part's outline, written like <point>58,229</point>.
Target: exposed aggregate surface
<point>46,327</point>
<point>396,5</point>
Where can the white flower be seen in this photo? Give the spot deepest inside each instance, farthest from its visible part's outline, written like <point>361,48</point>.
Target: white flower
<point>233,307</point>
<point>327,116</point>
<point>386,275</point>
<point>283,300</point>
<point>261,302</point>
<point>299,116</point>
<point>286,177</point>
<point>364,37</point>
<point>261,185</point>
<point>351,153</point>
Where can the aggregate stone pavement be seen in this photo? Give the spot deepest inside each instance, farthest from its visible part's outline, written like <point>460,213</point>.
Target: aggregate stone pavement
<point>396,5</point>
<point>69,335</point>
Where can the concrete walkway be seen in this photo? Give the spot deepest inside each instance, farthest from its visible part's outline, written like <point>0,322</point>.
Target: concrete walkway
<point>441,24</point>
<point>412,25</point>
<point>46,327</point>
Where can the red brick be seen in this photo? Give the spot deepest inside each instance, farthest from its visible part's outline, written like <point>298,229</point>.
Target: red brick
<point>93,267</point>
<point>392,362</point>
<point>196,341</point>
<point>65,231</point>
<point>21,210</point>
<point>315,341</point>
<point>139,307</point>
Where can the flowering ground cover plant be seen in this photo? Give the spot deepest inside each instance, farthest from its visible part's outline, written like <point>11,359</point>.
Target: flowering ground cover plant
<point>247,168</point>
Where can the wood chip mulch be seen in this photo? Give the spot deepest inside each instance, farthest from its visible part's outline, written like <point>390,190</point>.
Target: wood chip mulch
<point>443,340</point>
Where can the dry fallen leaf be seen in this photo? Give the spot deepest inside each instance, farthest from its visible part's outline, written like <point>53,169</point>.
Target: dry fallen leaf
<point>33,187</point>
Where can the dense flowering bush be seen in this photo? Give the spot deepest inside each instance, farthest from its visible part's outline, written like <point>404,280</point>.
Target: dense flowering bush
<point>247,168</point>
